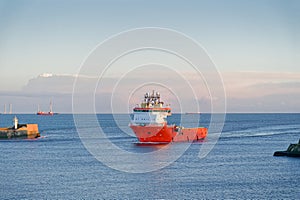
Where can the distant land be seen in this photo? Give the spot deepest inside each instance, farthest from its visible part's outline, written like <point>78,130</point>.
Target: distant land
<point>249,92</point>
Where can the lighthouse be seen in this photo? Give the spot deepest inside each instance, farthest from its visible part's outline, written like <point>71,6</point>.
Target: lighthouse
<point>16,122</point>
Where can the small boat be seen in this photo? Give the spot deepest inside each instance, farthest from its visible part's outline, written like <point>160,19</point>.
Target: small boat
<point>292,151</point>
<point>45,113</point>
<point>29,131</point>
<point>50,113</point>
<point>150,125</point>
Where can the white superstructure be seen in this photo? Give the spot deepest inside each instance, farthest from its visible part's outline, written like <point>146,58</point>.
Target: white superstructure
<point>151,111</point>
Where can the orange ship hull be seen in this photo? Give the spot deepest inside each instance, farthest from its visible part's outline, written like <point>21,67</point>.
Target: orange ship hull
<point>45,113</point>
<point>168,133</point>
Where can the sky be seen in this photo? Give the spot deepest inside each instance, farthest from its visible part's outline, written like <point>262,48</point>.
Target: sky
<point>254,45</point>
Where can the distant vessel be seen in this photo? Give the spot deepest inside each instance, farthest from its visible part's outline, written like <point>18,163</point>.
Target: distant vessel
<point>50,113</point>
<point>292,151</point>
<point>45,113</point>
<point>29,131</point>
<point>150,125</point>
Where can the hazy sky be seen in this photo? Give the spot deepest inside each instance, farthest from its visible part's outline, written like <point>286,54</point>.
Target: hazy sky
<point>260,36</point>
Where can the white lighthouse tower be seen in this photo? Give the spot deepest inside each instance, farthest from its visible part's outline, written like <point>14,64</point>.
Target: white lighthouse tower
<point>16,122</point>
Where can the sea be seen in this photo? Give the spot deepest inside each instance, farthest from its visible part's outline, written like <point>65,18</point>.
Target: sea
<point>239,165</point>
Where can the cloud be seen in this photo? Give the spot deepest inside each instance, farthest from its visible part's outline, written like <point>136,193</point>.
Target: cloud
<point>260,84</point>
<point>50,84</point>
<point>270,103</point>
<point>245,91</point>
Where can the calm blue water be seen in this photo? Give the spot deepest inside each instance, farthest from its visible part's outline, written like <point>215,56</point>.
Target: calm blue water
<point>241,165</point>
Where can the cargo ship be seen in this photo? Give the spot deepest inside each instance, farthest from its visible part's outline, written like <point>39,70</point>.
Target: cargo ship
<point>150,125</point>
<point>28,131</point>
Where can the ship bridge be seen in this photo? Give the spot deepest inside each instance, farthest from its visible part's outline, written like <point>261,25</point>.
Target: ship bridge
<point>151,110</point>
